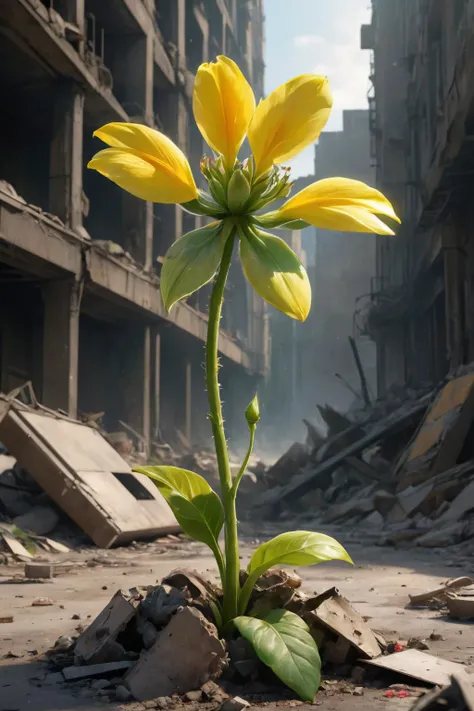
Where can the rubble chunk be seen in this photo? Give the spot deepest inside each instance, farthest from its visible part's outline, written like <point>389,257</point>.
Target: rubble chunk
<point>186,653</point>
<point>38,570</point>
<point>235,704</point>
<point>335,614</point>
<point>98,643</point>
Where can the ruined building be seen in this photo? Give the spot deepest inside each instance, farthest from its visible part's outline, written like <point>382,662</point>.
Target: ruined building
<point>422,125</point>
<point>81,314</point>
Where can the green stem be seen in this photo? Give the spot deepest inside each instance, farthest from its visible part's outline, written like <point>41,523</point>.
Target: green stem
<point>231,584</point>
<point>242,469</point>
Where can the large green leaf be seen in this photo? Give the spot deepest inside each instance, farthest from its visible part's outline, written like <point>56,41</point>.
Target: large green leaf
<point>191,262</point>
<point>283,642</point>
<point>275,272</point>
<point>196,506</point>
<point>296,548</point>
<point>292,548</point>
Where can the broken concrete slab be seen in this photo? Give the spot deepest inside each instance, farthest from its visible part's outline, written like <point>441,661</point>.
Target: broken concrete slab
<point>38,570</point>
<point>98,643</point>
<point>422,666</point>
<point>442,536</point>
<point>461,607</point>
<point>442,434</point>
<point>187,653</point>
<point>334,613</point>
<point>84,475</point>
<point>441,594</point>
<point>14,546</point>
<point>458,696</point>
<point>463,503</point>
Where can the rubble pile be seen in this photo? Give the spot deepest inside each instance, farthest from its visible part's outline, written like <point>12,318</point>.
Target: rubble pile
<point>403,469</point>
<point>160,642</point>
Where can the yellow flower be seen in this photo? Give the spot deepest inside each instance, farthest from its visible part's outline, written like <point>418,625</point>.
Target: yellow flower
<point>145,163</point>
<point>223,105</point>
<point>340,204</point>
<point>289,120</point>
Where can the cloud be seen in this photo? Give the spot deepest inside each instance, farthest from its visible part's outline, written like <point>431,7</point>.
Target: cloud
<point>304,41</point>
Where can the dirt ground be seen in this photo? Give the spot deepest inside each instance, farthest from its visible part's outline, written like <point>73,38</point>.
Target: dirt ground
<point>378,587</point>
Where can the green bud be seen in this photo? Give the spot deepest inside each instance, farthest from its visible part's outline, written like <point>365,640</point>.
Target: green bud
<point>217,192</point>
<point>238,192</point>
<point>252,413</point>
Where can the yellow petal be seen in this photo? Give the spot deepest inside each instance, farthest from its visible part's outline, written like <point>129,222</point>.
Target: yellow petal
<point>223,104</point>
<point>168,176</point>
<point>276,273</point>
<point>340,204</point>
<point>289,120</point>
<point>139,177</point>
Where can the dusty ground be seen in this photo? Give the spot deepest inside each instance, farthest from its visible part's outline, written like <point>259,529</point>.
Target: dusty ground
<point>378,587</point>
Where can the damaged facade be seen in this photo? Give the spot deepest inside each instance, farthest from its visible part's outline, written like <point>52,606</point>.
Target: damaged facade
<point>421,119</point>
<point>82,316</point>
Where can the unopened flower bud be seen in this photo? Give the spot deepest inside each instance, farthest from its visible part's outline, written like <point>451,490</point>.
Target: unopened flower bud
<point>252,413</point>
<point>238,191</point>
<point>217,191</point>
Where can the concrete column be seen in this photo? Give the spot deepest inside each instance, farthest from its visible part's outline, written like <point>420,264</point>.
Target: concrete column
<point>62,300</point>
<point>134,344</point>
<point>156,382</point>
<point>65,173</point>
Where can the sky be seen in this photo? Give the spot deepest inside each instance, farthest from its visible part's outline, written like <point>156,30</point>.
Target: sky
<point>322,37</point>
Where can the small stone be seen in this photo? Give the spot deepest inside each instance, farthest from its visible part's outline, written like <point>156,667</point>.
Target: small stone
<point>100,684</point>
<point>122,693</point>
<point>162,702</point>
<point>151,704</point>
<point>235,704</point>
<point>358,691</point>
<point>42,602</point>
<point>76,617</point>
<point>194,695</point>
<point>63,644</point>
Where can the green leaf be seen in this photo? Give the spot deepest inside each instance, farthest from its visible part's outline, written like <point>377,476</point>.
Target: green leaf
<point>283,642</point>
<point>275,272</point>
<point>196,506</point>
<point>291,548</point>
<point>191,262</point>
<point>296,548</point>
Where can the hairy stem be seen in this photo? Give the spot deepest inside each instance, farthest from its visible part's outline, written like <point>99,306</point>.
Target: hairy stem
<point>231,585</point>
<point>242,469</point>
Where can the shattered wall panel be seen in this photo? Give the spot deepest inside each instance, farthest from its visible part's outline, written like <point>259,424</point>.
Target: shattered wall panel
<point>441,436</point>
<point>86,478</point>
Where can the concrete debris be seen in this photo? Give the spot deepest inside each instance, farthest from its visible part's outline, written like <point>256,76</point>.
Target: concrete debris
<point>235,704</point>
<point>421,666</point>
<point>400,466</point>
<point>186,653</point>
<point>458,696</point>
<point>342,628</point>
<point>99,643</point>
<point>85,477</point>
<point>38,570</point>
<point>440,595</point>
<point>461,607</point>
